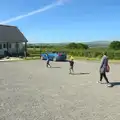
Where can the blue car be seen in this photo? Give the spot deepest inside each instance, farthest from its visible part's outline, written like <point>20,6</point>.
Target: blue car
<point>54,56</point>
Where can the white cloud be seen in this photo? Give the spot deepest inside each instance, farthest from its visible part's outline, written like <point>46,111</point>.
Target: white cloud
<point>48,7</point>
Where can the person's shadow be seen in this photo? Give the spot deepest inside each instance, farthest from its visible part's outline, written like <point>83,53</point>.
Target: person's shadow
<point>79,73</point>
<point>115,83</point>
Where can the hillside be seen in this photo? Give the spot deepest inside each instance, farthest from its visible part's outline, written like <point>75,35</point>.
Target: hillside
<point>90,44</point>
<point>98,43</point>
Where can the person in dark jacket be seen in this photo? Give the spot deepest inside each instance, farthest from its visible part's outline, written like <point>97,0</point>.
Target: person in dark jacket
<point>103,68</point>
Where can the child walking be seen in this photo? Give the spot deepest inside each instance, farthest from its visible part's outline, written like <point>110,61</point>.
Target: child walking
<point>71,70</point>
<point>48,62</point>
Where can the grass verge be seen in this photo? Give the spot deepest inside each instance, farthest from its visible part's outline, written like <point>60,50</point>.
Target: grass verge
<point>75,57</point>
<point>95,59</point>
<point>32,58</point>
<point>78,58</point>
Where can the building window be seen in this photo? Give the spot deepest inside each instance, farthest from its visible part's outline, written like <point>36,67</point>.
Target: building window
<point>4,45</point>
<point>0,46</point>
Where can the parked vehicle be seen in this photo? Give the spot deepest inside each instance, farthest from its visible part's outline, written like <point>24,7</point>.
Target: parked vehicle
<point>56,56</point>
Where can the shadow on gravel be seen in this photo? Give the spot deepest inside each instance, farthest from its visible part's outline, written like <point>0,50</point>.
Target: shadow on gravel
<point>80,73</point>
<point>115,83</point>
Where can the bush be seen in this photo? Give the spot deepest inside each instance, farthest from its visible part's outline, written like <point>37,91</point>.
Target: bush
<point>90,53</point>
<point>80,53</point>
<point>115,45</point>
<point>34,55</point>
<point>77,46</point>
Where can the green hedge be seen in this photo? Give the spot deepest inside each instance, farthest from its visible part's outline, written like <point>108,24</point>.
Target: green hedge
<point>90,53</point>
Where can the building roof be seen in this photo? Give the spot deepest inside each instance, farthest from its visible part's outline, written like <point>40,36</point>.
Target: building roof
<point>11,34</point>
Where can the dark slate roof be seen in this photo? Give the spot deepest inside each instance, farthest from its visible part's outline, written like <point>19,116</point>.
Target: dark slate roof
<point>11,34</point>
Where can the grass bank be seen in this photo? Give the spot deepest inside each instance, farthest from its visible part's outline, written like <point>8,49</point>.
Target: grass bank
<point>95,59</point>
<point>32,58</point>
<point>77,58</point>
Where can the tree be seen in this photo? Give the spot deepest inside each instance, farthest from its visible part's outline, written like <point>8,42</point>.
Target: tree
<point>115,45</point>
<point>82,46</point>
<point>72,45</point>
<point>77,46</point>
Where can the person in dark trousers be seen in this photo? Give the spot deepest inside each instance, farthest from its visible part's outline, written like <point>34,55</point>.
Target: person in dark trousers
<point>71,66</point>
<point>48,62</point>
<point>103,68</point>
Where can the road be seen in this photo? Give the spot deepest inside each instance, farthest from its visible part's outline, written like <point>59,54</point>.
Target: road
<point>30,91</point>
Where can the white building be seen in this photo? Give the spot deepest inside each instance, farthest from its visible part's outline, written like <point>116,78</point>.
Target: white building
<point>12,40</point>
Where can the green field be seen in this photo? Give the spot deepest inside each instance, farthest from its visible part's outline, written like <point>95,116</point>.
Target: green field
<point>79,50</point>
<point>91,53</point>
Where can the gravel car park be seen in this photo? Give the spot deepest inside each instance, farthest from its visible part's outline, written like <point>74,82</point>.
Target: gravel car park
<point>30,91</point>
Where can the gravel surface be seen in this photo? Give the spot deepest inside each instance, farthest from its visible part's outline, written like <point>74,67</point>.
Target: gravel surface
<point>30,91</point>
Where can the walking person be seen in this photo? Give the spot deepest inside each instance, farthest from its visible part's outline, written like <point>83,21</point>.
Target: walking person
<point>71,69</point>
<point>48,62</point>
<point>104,67</point>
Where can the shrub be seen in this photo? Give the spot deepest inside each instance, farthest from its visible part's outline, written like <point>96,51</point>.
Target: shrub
<point>115,45</point>
<point>90,53</point>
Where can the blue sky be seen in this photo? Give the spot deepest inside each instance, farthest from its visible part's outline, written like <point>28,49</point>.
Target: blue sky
<point>75,21</point>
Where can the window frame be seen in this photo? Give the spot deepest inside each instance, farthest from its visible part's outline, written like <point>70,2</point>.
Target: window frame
<point>4,45</point>
<point>1,46</point>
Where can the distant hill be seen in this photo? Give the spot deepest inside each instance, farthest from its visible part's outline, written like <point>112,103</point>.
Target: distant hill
<point>53,44</point>
<point>90,44</point>
<point>98,43</point>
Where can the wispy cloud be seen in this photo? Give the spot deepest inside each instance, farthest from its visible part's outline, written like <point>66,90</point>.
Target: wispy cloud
<point>57,3</point>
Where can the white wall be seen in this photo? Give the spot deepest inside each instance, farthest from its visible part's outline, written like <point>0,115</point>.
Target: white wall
<point>12,49</point>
